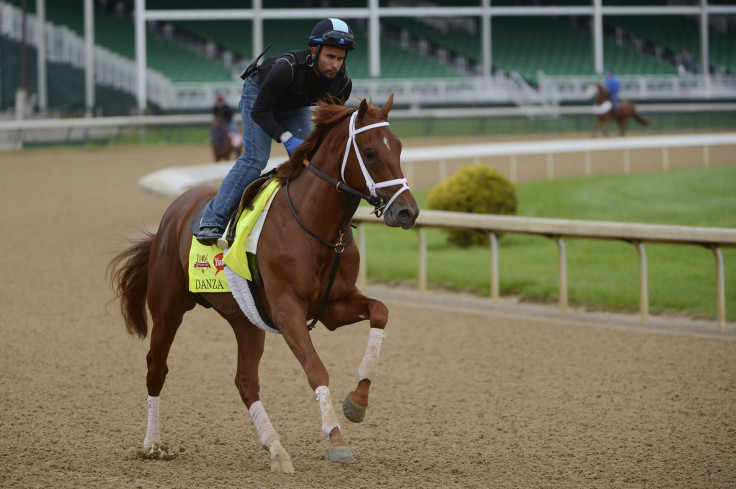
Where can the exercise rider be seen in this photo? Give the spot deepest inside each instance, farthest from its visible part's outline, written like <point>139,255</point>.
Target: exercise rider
<point>613,84</point>
<point>275,105</point>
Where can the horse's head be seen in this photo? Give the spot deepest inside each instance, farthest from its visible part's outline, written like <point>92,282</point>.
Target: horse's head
<point>358,148</point>
<point>373,162</point>
<point>598,92</point>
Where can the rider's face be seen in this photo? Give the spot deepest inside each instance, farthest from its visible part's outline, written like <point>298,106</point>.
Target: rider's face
<point>330,60</point>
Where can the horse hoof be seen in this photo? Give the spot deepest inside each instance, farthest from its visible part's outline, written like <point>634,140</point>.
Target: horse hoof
<point>340,454</point>
<point>280,460</point>
<point>157,451</point>
<point>353,412</point>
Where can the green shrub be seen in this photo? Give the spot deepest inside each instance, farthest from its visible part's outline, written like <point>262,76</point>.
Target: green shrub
<point>476,189</point>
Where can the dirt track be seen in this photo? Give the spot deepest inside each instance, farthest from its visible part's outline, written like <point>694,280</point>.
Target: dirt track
<point>463,398</point>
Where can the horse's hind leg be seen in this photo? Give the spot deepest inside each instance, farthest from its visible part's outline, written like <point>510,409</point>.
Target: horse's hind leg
<point>358,307</point>
<point>167,310</point>
<point>251,342</point>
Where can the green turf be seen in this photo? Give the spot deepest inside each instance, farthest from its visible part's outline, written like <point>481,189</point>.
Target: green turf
<point>601,274</point>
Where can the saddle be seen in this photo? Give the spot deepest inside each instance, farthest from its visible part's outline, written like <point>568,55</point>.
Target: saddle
<point>246,201</point>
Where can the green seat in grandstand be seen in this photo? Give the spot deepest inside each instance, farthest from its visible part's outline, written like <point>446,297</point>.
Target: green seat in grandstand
<point>117,35</point>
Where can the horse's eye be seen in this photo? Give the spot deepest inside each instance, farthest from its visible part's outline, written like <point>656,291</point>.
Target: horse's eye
<point>370,156</point>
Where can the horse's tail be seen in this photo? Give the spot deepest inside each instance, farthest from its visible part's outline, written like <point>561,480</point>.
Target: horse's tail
<point>128,273</point>
<point>640,119</point>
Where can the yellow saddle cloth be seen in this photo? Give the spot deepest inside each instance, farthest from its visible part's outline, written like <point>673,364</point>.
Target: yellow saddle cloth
<point>206,262</point>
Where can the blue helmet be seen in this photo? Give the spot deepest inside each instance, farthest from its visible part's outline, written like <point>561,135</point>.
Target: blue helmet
<point>332,32</point>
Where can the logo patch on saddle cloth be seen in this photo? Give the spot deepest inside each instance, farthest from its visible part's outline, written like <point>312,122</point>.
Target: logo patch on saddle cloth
<point>206,268</point>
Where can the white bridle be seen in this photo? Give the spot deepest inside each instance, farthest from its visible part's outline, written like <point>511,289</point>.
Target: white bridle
<point>372,186</point>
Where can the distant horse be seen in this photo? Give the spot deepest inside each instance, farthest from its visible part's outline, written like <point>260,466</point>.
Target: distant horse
<point>604,111</point>
<point>224,143</point>
<point>306,232</point>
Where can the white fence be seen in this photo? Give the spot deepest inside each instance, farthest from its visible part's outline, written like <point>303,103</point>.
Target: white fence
<point>558,229</point>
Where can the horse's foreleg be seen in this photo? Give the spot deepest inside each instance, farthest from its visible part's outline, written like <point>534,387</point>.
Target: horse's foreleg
<point>297,338</point>
<point>356,308</point>
<point>251,342</point>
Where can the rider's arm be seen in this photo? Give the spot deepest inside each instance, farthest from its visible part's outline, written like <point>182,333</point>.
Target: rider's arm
<point>273,88</point>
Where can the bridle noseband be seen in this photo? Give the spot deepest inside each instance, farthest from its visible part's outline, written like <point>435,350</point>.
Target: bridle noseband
<point>377,203</point>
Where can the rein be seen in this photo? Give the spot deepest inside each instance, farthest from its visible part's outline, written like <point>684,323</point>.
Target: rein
<point>350,203</point>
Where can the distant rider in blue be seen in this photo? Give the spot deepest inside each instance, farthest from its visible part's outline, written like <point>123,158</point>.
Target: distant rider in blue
<point>613,84</point>
<point>275,105</point>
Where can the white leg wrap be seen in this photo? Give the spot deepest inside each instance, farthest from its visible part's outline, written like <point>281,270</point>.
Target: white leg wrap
<point>152,433</point>
<point>369,365</point>
<point>263,425</point>
<point>329,419</point>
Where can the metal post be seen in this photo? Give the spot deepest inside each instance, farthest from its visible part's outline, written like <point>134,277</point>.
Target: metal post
<point>89,57</point>
<point>494,268</point>
<point>487,43</point>
<point>720,287</point>
<point>562,267</point>
<point>363,270</point>
<point>257,28</point>
<point>598,36</point>
<point>41,55</point>
<point>643,282</point>
<point>422,275</point>
<point>704,48</point>
<point>140,54</point>
<point>374,43</point>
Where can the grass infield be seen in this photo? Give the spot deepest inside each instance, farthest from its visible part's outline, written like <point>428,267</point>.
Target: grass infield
<point>602,275</point>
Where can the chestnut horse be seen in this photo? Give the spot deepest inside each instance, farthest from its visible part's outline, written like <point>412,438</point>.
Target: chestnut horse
<point>221,141</point>
<point>604,111</point>
<point>350,154</point>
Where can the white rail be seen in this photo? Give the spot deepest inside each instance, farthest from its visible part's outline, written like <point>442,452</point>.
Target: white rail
<point>171,182</point>
<point>557,229</point>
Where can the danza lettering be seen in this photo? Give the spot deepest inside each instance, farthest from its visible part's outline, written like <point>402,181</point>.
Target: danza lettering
<point>208,284</point>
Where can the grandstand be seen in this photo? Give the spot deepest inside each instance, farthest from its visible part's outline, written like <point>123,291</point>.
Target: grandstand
<point>440,56</point>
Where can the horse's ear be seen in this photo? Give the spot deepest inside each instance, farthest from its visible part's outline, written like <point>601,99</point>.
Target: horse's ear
<point>362,109</point>
<point>386,107</point>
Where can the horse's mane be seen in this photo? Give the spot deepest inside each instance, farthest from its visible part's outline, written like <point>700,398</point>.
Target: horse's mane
<point>327,114</point>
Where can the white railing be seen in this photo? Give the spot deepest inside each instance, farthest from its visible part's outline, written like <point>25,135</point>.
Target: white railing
<point>171,182</point>
<point>558,229</point>
<point>64,46</point>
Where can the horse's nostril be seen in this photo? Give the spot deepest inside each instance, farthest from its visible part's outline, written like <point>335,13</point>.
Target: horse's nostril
<point>405,216</point>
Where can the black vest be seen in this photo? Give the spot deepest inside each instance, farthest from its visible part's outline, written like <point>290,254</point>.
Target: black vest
<point>301,62</point>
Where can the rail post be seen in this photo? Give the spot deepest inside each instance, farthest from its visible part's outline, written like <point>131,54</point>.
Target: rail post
<point>643,282</point>
<point>494,268</point>
<point>562,267</point>
<point>422,275</point>
<point>720,287</point>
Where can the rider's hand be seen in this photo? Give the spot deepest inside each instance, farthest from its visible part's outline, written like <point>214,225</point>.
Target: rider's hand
<point>290,142</point>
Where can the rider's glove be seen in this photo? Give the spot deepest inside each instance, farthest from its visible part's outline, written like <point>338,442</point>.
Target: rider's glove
<point>290,142</point>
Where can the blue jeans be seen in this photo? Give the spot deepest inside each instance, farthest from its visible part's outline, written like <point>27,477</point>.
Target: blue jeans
<point>256,151</point>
